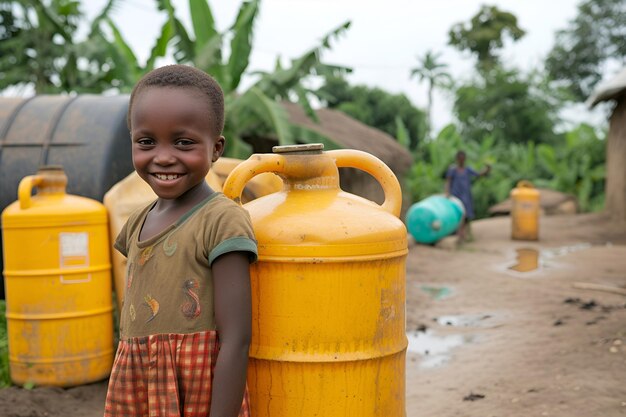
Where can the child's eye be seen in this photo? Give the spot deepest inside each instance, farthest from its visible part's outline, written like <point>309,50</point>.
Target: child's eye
<point>184,142</point>
<point>145,141</point>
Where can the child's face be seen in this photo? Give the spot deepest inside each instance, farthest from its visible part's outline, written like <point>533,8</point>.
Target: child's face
<point>172,144</point>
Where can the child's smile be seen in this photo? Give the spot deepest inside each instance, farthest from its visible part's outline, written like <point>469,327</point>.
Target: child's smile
<point>168,177</point>
<point>164,180</point>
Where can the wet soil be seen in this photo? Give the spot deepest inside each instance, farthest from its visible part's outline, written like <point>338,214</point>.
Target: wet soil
<point>486,339</point>
<point>532,344</point>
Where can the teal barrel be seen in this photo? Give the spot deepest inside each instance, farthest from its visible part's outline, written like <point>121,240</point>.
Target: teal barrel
<point>434,218</point>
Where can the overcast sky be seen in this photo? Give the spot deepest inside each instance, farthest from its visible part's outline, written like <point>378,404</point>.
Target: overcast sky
<point>382,44</point>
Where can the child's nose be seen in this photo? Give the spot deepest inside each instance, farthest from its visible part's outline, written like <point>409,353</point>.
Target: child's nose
<point>164,157</point>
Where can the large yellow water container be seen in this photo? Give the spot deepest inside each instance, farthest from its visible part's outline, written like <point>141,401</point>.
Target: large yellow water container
<point>58,284</point>
<point>328,289</point>
<point>525,211</point>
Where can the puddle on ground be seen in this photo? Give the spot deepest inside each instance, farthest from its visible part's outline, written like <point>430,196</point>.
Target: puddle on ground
<point>530,259</point>
<point>527,260</point>
<point>563,250</point>
<point>434,349</point>
<point>463,321</point>
<point>438,293</point>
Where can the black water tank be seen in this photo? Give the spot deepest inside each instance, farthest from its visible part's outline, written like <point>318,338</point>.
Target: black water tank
<point>86,134</point>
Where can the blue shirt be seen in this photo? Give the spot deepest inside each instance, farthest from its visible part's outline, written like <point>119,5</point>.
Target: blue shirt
<point>461,187</point>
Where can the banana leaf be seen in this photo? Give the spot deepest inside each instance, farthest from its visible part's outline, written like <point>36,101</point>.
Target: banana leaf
<point>241,44</point>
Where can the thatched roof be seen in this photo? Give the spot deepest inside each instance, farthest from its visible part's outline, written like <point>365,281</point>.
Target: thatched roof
<point>350,133</point>
<point>609,90</point>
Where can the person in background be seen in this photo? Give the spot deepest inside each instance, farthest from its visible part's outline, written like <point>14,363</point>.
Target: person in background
<point>185,321</point>
<point>459,184</point>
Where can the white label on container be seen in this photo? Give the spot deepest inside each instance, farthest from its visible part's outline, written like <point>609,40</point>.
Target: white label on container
<point>74,244</point>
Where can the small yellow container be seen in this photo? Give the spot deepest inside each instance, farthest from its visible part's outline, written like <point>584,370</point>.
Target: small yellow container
<point>328,290</point>
<point>525,212</point>
<point>58,284</point>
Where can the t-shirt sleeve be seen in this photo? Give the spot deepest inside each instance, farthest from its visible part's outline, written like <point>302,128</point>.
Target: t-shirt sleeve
<point>121,242</point>
<point>472,172</point>
<point>449,172</point>
<point>233,233</point>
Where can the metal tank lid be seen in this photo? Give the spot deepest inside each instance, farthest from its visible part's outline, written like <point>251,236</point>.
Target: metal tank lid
<point>306,149</point>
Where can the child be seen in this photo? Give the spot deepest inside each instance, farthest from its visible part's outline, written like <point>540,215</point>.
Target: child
<point>188,261</point>
<point>459,184</point>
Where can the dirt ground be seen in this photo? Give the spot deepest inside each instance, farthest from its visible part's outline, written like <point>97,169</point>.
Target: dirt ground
<point>485,339</point>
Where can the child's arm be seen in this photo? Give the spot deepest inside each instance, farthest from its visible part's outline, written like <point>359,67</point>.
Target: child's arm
<point>231,282</point>
<point>485,171</point>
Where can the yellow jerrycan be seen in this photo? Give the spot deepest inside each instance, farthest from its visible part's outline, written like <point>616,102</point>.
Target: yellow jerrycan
<point>328,290</point>
<point>525,211</point>
<point>58,284</point>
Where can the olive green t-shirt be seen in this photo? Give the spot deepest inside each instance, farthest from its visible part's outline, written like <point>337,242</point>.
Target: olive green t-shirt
<point>169,286</point>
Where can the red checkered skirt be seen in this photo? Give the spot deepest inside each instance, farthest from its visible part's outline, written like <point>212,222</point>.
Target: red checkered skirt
<point>165,375</point>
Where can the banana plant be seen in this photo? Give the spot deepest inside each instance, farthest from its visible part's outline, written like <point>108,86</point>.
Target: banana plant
<point>43,32</point>
<point>577,167</point>
<point>118,66</point>
<point>256,110</point>
<point>53,60</point>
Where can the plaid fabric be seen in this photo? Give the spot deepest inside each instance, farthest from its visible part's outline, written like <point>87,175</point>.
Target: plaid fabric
<point>165,375</point>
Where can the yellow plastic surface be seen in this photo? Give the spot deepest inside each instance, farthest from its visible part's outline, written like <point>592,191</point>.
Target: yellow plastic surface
<point>58,285</point>
<point>525,212</point>
<point>328,290</point>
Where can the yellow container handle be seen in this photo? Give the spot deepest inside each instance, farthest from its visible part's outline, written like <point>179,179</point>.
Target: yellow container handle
<point>245,171</point>
<point>350,158</point>
<point>344,158</point>
<point>25,189</point>
<point>525,184</point>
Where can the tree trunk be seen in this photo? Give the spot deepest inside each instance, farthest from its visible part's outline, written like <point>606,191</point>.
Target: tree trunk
<point>616,163</point>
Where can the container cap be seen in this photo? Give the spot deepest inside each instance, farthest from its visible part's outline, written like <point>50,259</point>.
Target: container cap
<point>307,149</point>
<point>51,168</point>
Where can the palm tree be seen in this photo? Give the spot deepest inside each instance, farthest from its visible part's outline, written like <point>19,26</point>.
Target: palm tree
<point>434,73</point>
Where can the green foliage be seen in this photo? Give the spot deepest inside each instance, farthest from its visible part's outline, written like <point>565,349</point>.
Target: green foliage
<point>46,31</point>
<point>575,165</point>
<point>52,59</point>
<point>485,33</point>
<point>590,41</point>
<point>43,32</point>
<point>402,133</point>
<point>375,107</point>
<point>287,83</point>
<point>506,106</point>
<point>202,45</point>
<point>5,379</point>
<point>432,159</point>
<point>256,111</point>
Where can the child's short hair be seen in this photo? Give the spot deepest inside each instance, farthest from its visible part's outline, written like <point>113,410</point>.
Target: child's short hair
<point>184,76</point>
